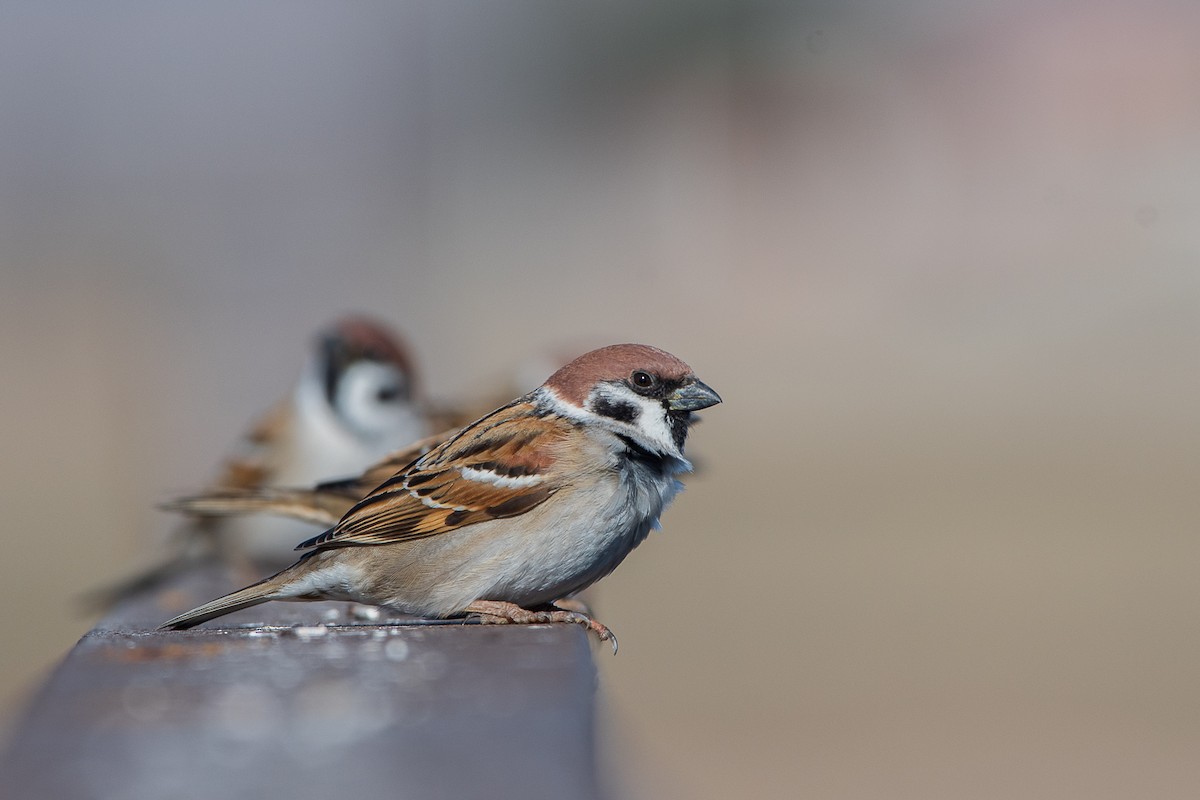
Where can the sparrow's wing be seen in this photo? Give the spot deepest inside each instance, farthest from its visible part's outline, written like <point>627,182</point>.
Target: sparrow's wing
<point>502,466</point>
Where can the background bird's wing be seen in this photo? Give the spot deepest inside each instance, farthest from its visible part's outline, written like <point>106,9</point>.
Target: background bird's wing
<point>252,465</point>
<point>317,506</point>
<point>323,504</point>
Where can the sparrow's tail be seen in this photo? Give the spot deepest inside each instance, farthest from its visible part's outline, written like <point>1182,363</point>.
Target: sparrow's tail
<point>272,588</point>
<point>307,505</point>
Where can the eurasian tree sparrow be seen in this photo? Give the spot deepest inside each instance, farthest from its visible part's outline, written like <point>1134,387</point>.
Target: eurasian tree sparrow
<point>356,400</point>
<point>531,503</point>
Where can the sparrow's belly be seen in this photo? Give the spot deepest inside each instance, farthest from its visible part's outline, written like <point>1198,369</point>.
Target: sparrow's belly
<point>556,549</point>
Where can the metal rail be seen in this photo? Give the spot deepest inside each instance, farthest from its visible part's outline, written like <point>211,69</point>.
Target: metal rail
<point>308,700</point>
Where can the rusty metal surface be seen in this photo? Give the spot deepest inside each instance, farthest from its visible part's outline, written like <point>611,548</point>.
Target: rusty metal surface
<point>307,701</point>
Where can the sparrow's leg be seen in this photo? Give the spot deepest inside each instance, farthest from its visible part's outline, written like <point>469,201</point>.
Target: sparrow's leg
<point>498,612</point>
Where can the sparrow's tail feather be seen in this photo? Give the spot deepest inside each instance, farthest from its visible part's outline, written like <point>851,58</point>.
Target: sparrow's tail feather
<point>261,592</point>
<point>307,505</point>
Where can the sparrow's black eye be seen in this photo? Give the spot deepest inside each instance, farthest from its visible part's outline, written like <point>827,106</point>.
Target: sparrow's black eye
<point>388,394</point>
<point>642,380</point>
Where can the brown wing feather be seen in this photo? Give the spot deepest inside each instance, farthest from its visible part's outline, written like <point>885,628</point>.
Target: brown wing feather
<point>434,495</point>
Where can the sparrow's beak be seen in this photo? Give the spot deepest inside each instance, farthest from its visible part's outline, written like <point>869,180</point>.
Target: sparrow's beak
<point>692,397</point>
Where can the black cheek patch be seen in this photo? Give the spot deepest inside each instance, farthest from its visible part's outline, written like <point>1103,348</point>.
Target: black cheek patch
<point>398,392</point>
<point>616,409</point>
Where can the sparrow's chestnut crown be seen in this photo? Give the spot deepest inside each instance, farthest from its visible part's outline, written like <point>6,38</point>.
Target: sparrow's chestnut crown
<point>618,363</point>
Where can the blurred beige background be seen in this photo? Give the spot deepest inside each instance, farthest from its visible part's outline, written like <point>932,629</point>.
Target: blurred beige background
<point>942,262</point>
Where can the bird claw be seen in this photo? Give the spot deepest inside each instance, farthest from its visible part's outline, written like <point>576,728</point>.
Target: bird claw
<point>495,612</point>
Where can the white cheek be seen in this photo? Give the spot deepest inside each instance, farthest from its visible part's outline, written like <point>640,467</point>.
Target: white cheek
<point>650,429</point>
<point>653,423</point>
<point>358,400</point>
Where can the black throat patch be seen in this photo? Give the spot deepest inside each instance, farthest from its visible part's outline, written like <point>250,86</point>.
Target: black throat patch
<point>640,455</point>
<point>679,423</point>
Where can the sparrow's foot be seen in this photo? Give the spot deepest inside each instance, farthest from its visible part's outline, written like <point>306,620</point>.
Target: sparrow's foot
<point>498,612</point>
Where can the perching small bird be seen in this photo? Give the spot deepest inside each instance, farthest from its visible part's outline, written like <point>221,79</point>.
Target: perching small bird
<point>530,504</point>
<point>357,400</point>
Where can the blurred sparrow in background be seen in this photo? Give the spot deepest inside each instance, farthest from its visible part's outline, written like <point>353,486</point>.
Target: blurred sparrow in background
<point>525,506</point>
<point>357,400</point>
